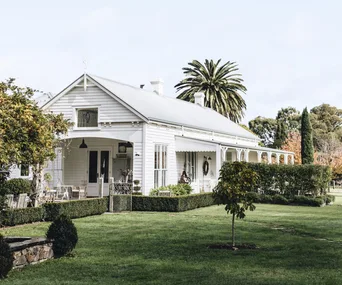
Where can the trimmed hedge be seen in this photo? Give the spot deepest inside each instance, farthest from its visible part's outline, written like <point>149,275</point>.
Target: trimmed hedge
<point>50,211</point>
<point>76,208</point>
<point>15,186</point>
<point>295,200</point>
<point>196,201</point>
<point>292,180</point>
<point>12,217</point>
<point>122,203</point>
<point>172,204</point>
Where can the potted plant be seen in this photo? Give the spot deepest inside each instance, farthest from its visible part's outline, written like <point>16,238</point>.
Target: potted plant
<point>136,187</point>
<point>47,179</point>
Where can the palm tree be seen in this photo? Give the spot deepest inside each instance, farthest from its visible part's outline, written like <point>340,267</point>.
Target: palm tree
<point>220,85</point>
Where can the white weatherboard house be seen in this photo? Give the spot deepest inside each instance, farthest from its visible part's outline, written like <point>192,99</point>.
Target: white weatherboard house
<point>120,129</point>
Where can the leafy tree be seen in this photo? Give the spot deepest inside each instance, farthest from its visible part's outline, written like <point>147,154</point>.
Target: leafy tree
<point>280,135</point>
<point>264,128</point>
<point>246,128</point>
<point>221,85</point>
<point>235,181</point>
<point>307,149</point>
<point>27,134</point>
<point>293,143</point>
<point>273,132</point>
<point>330,153</point>
<point>326,121</point>
<point>290,117</point>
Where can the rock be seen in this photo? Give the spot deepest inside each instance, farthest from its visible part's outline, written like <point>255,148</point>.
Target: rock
<point>21,260</point>
<point>30,257</point>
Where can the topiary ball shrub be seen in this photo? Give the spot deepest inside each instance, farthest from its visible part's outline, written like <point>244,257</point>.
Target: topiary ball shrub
<point>6,258</point>
<point>64,235</point>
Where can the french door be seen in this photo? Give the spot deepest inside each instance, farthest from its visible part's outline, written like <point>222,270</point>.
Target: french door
<point>99,165</point>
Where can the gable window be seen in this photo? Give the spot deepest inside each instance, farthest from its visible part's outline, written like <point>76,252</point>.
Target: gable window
<point>160,165</point>
<point>24,170</point>
<point>87,117</point>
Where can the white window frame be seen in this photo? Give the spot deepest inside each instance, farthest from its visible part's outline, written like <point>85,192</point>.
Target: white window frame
<point>75,117</point>
<point>163,173</point>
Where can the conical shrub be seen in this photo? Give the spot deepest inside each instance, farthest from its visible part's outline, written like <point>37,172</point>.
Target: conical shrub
<point>6,258</point>
<point>64,235</point>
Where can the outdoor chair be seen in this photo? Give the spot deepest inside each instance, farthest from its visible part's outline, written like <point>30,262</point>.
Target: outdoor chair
<point>41,198</point>
<point>67,191</point>
<point>10,200</point>
<point>22,201</point>
<point>78,192</point>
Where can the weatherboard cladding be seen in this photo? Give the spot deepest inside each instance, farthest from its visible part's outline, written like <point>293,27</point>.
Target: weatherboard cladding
<point>110,110</point>
<point>159,135</point>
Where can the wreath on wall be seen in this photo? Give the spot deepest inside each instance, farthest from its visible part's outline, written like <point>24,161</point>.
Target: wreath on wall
<point>205,167</point>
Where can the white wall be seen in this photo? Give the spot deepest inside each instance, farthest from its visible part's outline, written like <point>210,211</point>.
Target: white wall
<point>109,109</point>
<point>15,173</point>
<point>159,135</point>
<point>253,156</point>
<point>75,160</point>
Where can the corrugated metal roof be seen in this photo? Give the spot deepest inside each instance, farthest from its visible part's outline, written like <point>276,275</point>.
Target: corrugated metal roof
<point>172,110</point>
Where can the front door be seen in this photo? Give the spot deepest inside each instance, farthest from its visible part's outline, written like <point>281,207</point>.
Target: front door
<point>98,166</point>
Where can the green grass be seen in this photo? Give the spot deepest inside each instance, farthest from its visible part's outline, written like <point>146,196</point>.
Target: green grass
<point>298,245</point>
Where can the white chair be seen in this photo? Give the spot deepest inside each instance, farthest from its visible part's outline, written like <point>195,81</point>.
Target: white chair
<point>9,200</point>
<point>22,201</point>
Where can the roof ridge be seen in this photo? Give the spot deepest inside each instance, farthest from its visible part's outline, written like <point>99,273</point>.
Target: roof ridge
<point>122,83</point>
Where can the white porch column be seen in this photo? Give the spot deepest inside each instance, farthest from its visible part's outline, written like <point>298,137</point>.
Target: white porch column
<point>223,153</point>
<point>278,158</point>
<point>218,161</point>
<point>292,159</point>
<point>259,153</point>
<point>286,156</point>
<point>100,184</point>
<point>57,175</point>
<point>246,151</point>
<point>111,192</point>
<point>238,154</point>
<point>269,157</point>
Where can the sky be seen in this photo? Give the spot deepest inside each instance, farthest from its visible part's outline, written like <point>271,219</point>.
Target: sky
<point>288,52</point>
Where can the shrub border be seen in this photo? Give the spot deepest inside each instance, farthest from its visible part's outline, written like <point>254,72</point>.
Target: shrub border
<point>50,211</point>
<point>172,204</point>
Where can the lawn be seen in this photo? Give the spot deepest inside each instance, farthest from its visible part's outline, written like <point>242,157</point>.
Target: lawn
<point>297,245</point>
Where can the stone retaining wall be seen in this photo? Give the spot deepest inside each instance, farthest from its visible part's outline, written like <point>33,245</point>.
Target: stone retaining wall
<point>29,250</point>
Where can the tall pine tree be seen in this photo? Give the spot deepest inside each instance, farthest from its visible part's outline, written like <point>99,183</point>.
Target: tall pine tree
<point>307,142</point>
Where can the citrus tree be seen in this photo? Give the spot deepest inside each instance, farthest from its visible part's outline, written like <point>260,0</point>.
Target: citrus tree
<point>235,181</point>
<point>28,135</point>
